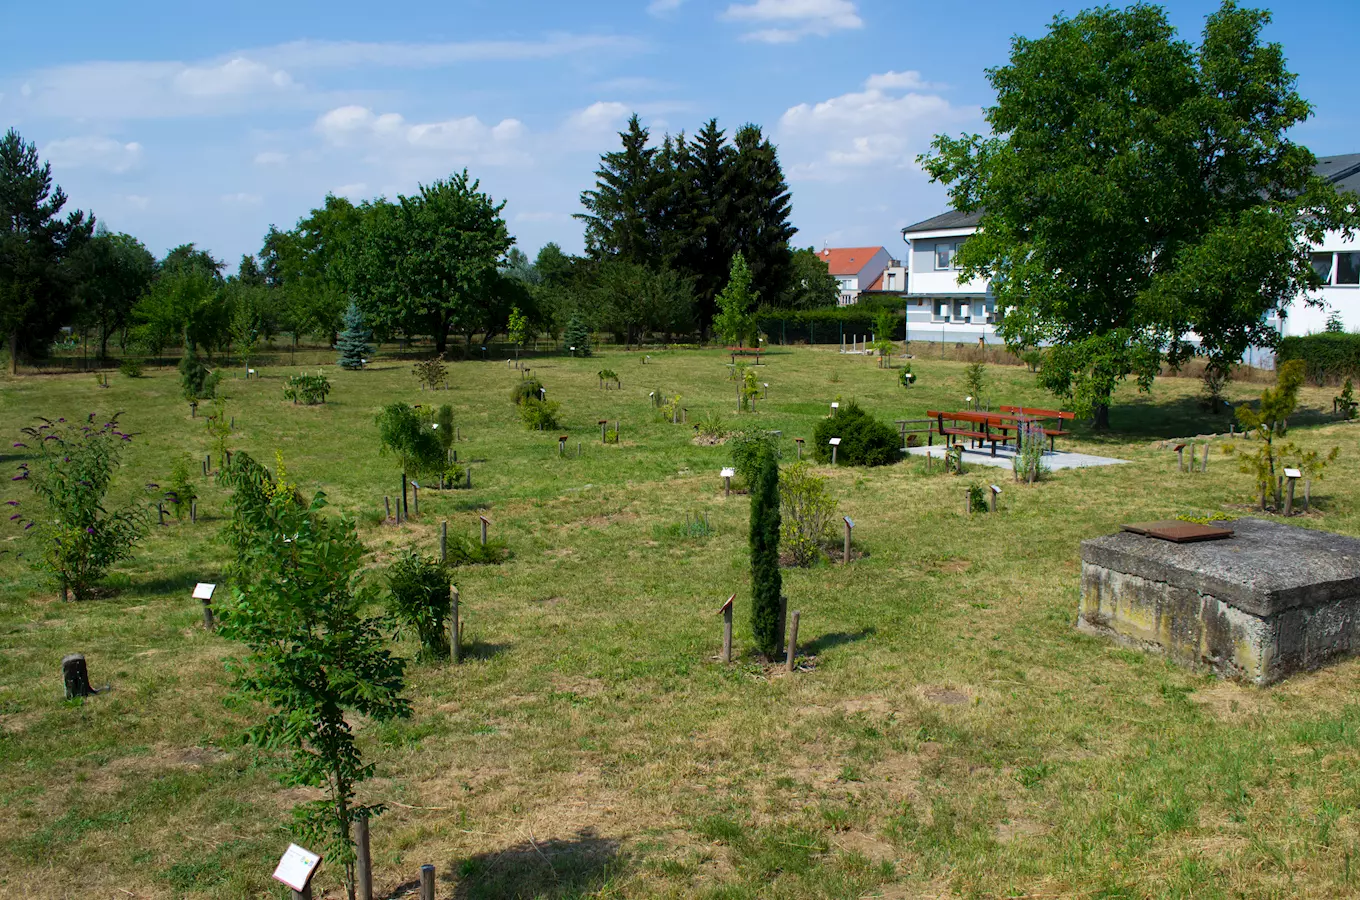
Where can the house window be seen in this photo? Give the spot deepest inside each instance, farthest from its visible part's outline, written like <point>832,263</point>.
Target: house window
<point>1348,268</point>
<point>1322,264</point>
<point>944,256</point>
<point>941,311</point>
<point>961,312</point>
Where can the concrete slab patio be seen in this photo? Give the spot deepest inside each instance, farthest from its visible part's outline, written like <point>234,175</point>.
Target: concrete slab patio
<point>1054,460</point>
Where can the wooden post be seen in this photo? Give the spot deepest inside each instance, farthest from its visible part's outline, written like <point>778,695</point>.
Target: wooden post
<point>160,512</point>
<point>205,468</point>
<point>1180,456</point>
<point>562,445</point>
<point>193,511</point>
<point>727,629</point>
<point>793,640</point>
<point>427,882</point>
<point>208,624</point>
<point>849,526</point>
<point>834,448</point>
<point>405,507</point>
<point>967,502</point>
<point>727,485</point>
<point>996,492</point>
<point>485,522</point>
<point>363,860</point>
<point>304,894</point>
<point>1205,466</point>
<point>415,491</point>
<point>1307,492</point>
<point>76,676</point>
<point>799,443</point>
<point>387,502</point>
<point>444,541</point>
<point>617,431</point>
<point>455,626</point>
<point>604,423</point>
<point>1292,475</point>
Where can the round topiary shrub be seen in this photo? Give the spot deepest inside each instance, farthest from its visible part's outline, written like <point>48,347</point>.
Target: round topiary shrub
<point>865,441</point>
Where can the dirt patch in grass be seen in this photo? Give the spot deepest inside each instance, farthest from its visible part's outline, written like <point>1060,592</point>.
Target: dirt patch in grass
<point>866,845</point>
<point>950,566</point>
<point>944,696</point>
<point>708,440</point>
<point>1231,702</point>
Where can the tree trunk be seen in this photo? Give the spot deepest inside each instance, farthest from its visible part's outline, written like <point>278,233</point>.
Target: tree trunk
<point>76,676</point>
<point>1102,417</point>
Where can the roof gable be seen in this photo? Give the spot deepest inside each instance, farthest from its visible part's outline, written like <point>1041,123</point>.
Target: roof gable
<point>848,260</point>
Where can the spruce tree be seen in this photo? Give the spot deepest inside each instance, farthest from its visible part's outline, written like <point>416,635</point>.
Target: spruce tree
<point>767,612</point>
<point>577,335</point>
<point>760,211</point>
<point>617,221</point>
<point>353,343</point>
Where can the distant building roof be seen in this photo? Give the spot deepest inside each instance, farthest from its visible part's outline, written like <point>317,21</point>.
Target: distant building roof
<point>878,282</point>
<point>951,219</point>
<point>847,260</point>
<point>1342,171</point>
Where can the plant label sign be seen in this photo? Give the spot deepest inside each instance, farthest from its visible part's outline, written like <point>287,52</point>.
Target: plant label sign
<point>850,523</point>
<point>204,591</point>
<point>297,867</point>
<point>1293,473</point>
<point>728,473</point>
<point>835,442</point>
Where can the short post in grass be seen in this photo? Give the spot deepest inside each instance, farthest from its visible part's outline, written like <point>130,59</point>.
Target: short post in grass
<point>193,512</point>
<point>996,493</point>
<point>765,390</point>
<point>203,593</point>
<point>793,641</point>
<point>727,474</point>
<point>618,431</point>
<point>427,882</point>
<point>485,523</point>
<point>455,626</point>
<point>967,502</point>
<point>1293,475</point>
<point>835,407</point>
<point>835,444</point>
<point>387,502</point>
<point>363,859</point>
<point>469,475</point>
<point>604,424</point>
<point>1180,456</point>
<point>415,494</point>
<point>1205,466</point>
<point>799,443</point>
<point>444,541</point>
<point>205,467</point>
<point>849,527</point>
<point>562,445</point>
<point>193,409</point>
<point>684,415</point>
<point>76,676</point>
<point>160,511</point>
<point>726,612</point>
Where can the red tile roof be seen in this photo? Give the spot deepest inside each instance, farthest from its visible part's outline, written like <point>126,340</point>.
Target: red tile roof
<point>878,282</point>
<point>847,260</point>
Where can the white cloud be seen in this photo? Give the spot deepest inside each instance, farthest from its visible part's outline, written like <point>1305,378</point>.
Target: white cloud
<point>93,151</point>
<point>661,7</point>
<point>601,117</point>
<point>242,199</point>
<point>878,128</point>
<point>468,138</point>
<point>270,158</point>
<point>785,21</point>
<point>235,76</point>
<point>346,54</point>
<point>356,191</point>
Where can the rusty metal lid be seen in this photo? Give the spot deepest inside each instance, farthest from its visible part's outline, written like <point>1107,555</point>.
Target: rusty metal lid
<point>1179,532</point>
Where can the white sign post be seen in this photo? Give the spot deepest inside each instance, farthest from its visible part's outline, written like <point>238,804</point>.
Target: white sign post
<point>727,481</point>
<point>296,868</point>
<point>1293,475</point>
<point>204,592</point>
<point>834,442</point>
<point>996,492</point>
<point>849,526</point>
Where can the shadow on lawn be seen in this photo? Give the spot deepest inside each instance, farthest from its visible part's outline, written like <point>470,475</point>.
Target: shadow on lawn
<point>480,649</point>
<point>1147,418</point>
<point>825,642</point>
<point>570,867</point>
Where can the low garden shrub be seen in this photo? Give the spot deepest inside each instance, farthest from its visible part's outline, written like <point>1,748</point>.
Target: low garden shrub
<point>865,441</point>
<point>309,389</point>
<point>1327,357</point>
<point>418,600</point>
<point>539,415</point>
<point>807,512</point>
<point>525,389</point>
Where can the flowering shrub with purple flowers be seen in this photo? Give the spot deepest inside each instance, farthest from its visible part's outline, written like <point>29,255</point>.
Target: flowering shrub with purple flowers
<point>69,471</point>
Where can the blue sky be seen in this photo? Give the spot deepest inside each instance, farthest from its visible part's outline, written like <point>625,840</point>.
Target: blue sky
<point>184,122</point>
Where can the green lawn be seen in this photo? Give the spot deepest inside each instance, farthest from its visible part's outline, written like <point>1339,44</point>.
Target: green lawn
<point>950,733</point>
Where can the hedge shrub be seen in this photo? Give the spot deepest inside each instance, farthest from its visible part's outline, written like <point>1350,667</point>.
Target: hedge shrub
<point>1327,357</point>
<point>865,441</point>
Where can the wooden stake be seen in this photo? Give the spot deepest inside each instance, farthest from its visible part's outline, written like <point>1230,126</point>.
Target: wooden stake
<point>363,861</point>
<point>160,512</point>
<point>455,626</point>
<point>193,511</point>
<point>793,640</point>
<point>1289,498</point>
<point>485,522</point>
<point>427,882</point>
<point>444,541</point>
<point>1204,467</point>
<point>208,624</point>
<point>727,629</point>
<point>387,502</point>
<point>76,676</point>
<point>405,506</point>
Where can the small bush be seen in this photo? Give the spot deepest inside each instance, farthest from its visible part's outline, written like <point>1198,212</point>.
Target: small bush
<point>806,513</point>
<point>539,415</point>
<point>865,441</point>
<point>975,381</point>
<point>195,379</point>
<point>608,375</point>
<point>443,427</point>
<point>1033,358</point>
<point>907,378</point>
<point>747,447</point>
<point>310,389</point>
<point>466,551</point>
<point>182,491</point>
<point>1345,402</point>
<point>694,527</point>
<point>403,431</point>
<point>711,426</point>
<point>668,409</point>
<point>418,600</point>
<point>977,498</point>
<point>526,389</point>
<point>431,373</point>
<point>130,367</point>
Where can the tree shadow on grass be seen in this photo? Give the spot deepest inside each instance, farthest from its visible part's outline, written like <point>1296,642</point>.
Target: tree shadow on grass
<point>824,642</point>
<point>1146,417</point>
<point>479,649</point>
<point>569,867</point>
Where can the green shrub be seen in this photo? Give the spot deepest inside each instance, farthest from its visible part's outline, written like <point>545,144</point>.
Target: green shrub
<point>1345,402</point>
<point>907,378</point>
<point>767,612</point>
<point>539,415</point>
<point>195,379</point>
<point>467,551</point>
<point>576,335</point>
<point>1033,358</point>
<point>608,375</point>
<point>865,441</point>
<point>1327,357</point>
<point>182,491</point>
<point>130,367</point>
<point>747,446</point>
<point>404,432</point>
<point>310,389</point>
<point>711,426</point>
<point>443,419</point>
<point>418,600</point>
<point>431,373</point>
<point>526,389</point>
<point>975,381</point>
<point>806,513</point>
<point>977,498</point>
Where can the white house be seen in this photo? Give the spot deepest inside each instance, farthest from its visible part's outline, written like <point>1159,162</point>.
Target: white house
<point>855,269</point>
<point>939,307</point>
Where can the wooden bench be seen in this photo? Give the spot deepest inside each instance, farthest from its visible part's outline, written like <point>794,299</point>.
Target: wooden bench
<point>904,430</point>
<point>980,427</point>
<point>1030,412</point>
<point>745,351</point>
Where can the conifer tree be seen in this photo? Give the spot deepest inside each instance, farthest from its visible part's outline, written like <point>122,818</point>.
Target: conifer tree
<point>577,335</point>
<point>767,613</point>
<point>616,221</point>
<point>353,343</point>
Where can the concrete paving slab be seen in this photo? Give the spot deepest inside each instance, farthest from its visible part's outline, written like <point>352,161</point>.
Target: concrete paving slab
<point>1061,459</point>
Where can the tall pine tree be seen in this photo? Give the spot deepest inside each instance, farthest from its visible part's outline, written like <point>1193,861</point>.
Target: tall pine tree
<point>760,213</point>
<point>353,341</point>
<point>617,218</point>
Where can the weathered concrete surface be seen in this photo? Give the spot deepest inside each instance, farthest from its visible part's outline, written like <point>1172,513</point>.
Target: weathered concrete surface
<point>1271,600</point>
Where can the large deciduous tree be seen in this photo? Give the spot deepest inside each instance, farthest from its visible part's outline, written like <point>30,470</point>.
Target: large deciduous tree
<point>308,264</point>
<point>37,280</point>
<point>114,271</point>
<point>1138,192</point>
<point>428,264</point>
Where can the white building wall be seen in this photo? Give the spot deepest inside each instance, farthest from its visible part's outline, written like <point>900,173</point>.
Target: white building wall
<point>1339,298</point>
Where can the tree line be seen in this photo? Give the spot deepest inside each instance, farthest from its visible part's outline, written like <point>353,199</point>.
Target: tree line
<point>663,226</point>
